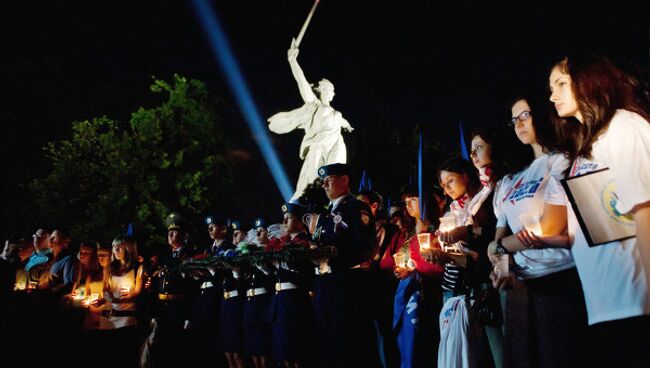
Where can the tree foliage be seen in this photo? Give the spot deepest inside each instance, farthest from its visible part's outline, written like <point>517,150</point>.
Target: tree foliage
<point>171,157</point>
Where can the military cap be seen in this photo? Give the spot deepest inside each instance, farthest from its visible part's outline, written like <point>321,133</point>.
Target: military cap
<point>235,225</point>
<point>294,208</point>
<point>259,222</point>
<point>333,169</point>
<point>217,220</point>
<point>175,222</point>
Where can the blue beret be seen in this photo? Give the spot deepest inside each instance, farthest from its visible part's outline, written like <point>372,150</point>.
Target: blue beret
<point>217,220</point>
<point>259,222</point>
<point>333,169</point>
<point>294,208</point>
<point>235,225</point>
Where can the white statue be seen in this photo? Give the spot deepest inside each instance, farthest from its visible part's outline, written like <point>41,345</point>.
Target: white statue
<point>323,143</point>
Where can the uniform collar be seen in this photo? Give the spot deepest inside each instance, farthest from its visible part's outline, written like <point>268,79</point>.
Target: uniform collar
<point>335,202</point>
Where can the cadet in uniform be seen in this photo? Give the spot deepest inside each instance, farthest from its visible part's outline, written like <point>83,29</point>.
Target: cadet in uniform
<point>291,313</point>
<point>204,316</point>
<point>231,317</point>
<point>174,294</point>
<point>344,292</point>
<point>257,330</point>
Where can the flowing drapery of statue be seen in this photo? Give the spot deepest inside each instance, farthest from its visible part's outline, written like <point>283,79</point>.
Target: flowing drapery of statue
<point>323,143</point>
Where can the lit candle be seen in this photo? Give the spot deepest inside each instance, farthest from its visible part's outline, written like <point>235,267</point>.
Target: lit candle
<point>79,294</point>
<point>425,241</point>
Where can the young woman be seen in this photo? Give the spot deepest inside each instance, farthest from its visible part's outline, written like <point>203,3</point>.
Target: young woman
<point>604,124</point>
<point>461,183</point>
<point>552,321</point>
<point>419,282</point>
<point>122,285</point>
<point>89,281</point>
<point>472,206</point>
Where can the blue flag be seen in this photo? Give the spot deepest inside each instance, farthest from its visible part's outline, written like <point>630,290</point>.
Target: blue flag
<point>420,189</point>
<point>129,230</point>
<point>405,320</point>
<point>363,183</point>
<point>463,145</point>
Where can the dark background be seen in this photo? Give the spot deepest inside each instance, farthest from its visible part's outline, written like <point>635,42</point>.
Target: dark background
<point>430,64</point>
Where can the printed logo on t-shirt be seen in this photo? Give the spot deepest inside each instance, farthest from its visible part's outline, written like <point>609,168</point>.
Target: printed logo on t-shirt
<point>523,190</point>
<point>580,167</point>
<point>609,200</point>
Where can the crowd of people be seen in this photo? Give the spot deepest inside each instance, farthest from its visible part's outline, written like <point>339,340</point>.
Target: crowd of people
<point>452,275</point>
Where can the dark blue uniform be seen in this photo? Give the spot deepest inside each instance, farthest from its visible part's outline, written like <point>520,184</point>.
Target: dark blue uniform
<point>257,330</point>
<point>231,315</point>
<point>204,315</point>
<point>174,294</point>
<point>344,303</point>
<point>291,313</point>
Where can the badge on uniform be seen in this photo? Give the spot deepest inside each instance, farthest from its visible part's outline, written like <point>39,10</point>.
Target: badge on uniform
<point>338,222</point>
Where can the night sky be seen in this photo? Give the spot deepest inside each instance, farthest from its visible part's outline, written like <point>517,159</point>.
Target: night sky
<point>430,63</point>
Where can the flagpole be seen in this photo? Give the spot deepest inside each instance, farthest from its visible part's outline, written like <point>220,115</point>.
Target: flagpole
<point>420,179</point>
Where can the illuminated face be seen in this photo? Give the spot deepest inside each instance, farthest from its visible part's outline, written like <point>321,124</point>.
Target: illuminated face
<point>57,242</point>
<point>524,126</point>
<point>292,223</point>
<point>104,257</point>
<point>412,206</point>
<point>335,186</point>
<point>175,238</point>
<point>119,252</point>
<point>454,184</point>
<point>86,255</point>
<point>217,231</point>
<point>481,152</point>
<point>41,239</point>
<point>237,237</point>
<point>562,95</point>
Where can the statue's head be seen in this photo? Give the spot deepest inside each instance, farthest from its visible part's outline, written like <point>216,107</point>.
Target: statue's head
<point>325,91</point>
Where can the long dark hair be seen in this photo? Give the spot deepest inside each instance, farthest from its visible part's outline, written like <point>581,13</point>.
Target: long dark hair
<point>521,157</point>
<point>460,166</point>
<point>600,88</point>
<point>429,202</point>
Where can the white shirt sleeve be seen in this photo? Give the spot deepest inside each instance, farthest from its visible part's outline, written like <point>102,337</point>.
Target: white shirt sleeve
<point>557,164</point>
<point>626,150</point>
<point>554,193</point>
<point>496,204</point>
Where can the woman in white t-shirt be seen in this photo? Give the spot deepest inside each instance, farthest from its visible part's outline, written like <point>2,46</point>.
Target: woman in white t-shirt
<point>545,315</point>
<point>122,285</point>
<point>604,124</point>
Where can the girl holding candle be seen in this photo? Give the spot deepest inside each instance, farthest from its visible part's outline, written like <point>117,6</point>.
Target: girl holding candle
<point>122,285</point>
<point>602,122</point>
<point>472,205</point>
<point>419,281</point>
<point>461,183</point>
<point>546,310</point>
<point>88,282</point>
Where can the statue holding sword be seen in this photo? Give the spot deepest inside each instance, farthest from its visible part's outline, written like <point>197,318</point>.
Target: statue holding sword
<point>323,143</point>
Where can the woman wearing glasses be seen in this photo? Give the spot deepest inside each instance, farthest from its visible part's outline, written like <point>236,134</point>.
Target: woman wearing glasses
<point>545,315</point>
<point>603,123</point>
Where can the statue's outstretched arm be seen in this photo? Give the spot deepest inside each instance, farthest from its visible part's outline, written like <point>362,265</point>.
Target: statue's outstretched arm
<point>345,124</point>
<point>303,86</point>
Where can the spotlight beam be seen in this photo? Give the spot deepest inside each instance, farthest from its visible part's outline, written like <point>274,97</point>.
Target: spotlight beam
<point>221,49</point>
